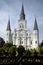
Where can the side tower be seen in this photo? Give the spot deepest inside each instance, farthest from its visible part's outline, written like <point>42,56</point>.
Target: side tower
<point>35,41</point>
<point>8,33</point>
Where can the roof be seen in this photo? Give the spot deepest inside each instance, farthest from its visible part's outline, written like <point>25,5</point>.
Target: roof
<point>35,25</point>
<point>8,26</point>
<point>22,14</point>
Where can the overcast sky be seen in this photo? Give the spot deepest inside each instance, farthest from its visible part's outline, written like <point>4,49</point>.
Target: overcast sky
<point>12,9</point>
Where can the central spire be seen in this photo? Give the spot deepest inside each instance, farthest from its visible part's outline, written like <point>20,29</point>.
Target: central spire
<point>22,14</point>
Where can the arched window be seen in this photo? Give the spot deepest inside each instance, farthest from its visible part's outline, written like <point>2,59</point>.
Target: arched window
<point>27,34</point>
<point>35,41</point>
<point>31,42</point>
<point>20,26</point>
<point>22,42</point>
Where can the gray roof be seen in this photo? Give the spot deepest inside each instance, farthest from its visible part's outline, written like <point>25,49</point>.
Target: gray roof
<point>35,25</point>
<point>8,26</point>
<point>22,14</point>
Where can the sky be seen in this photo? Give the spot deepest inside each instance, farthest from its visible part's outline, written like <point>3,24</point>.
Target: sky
<point>12,8</point>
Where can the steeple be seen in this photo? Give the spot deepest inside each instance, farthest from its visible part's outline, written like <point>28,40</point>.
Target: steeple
<point>35,25</point>
<point>22,14</point>
<point>8,26</point>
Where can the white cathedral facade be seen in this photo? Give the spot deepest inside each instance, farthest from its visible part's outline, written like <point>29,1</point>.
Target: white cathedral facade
<point>22,35</point>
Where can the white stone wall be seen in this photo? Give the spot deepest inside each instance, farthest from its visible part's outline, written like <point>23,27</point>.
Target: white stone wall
<point>35,40</point>
<point>26,38</point>
<point>8,37</point>
<point>23,24</point>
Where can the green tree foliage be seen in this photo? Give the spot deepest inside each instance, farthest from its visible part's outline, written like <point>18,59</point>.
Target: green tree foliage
<point>28,52</point>
<point>1,52</point>
<point>34,52</point>
<point>1,42</point>
<point>40,50</point>
<point>21,50</point>
<point>19,55</point>
<point>12,51</point>
<point>6,46</point>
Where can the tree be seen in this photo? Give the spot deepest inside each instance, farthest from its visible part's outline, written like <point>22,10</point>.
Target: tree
<point>20,55</point>
<point>2,51</point>
<point>1,42</point>
<point>42,43</point>
<point>28,52</point>
<point>34,52</point>
<point>40,50</point>
<point>6,46</point>
<point>21,50</point>
<point>12,51</point>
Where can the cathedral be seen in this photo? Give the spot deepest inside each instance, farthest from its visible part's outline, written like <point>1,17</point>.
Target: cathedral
<point>22,35</point>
